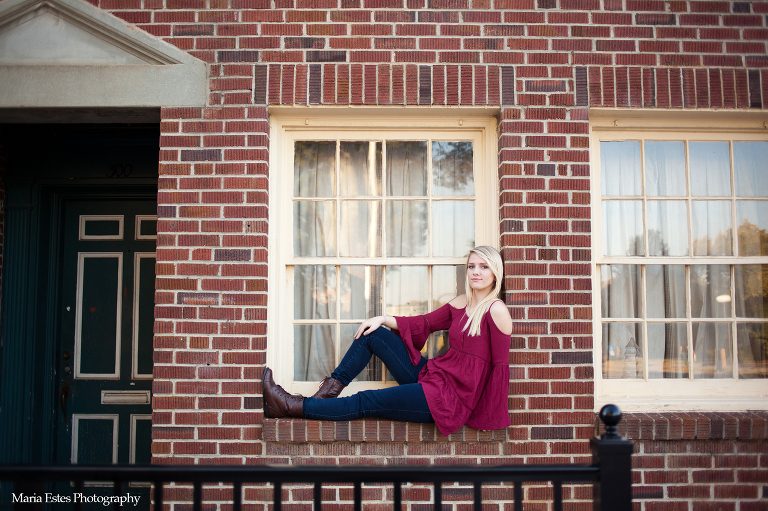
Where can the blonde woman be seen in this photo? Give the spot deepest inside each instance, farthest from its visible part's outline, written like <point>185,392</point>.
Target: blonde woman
<point>466,385</point>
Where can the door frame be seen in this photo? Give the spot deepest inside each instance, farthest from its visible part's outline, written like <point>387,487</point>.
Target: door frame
<point>30,319</point>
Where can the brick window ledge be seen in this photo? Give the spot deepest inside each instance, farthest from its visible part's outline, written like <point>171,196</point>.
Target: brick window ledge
<point>693,426</point>
<point>369,430</point>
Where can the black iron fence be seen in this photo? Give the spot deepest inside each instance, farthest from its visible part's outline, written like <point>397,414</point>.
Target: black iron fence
<point>609,473</point>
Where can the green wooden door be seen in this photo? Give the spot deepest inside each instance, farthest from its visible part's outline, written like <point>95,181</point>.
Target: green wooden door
<point>104,359</point>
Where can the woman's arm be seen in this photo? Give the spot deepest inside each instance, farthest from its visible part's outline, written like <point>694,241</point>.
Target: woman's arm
<point>371,324</point>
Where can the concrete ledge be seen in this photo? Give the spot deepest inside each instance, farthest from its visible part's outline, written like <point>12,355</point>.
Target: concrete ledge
<point>369,430</point>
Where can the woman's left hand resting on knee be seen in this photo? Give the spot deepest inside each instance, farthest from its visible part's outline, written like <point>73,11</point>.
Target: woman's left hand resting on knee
<point>371,324</point>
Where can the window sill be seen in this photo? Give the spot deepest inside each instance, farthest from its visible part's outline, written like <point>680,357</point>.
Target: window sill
<point>369,430</point>
<point>693,426</point>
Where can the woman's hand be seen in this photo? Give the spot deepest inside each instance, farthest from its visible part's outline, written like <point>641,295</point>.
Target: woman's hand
<point>369,325</point>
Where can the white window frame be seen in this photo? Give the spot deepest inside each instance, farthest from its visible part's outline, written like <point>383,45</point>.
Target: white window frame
<point>288,124</point>
<point>659,395</point>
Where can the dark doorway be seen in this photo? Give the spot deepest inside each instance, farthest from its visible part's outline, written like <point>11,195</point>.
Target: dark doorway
<point>79,235</point>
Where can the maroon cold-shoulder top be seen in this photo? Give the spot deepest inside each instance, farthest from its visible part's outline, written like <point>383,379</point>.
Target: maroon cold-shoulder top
<point>470,383</point>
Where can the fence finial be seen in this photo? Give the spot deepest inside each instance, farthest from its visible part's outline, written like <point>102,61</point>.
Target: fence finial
<point>610,415</point>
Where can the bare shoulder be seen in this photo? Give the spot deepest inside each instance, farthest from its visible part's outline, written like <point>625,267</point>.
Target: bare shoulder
<point>501,317</point>
<point>459,302</point>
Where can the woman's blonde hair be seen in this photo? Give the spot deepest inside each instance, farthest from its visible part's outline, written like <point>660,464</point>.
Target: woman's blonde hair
<point>491,256</point>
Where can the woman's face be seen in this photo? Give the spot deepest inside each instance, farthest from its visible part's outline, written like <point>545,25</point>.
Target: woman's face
<point>479,274</point>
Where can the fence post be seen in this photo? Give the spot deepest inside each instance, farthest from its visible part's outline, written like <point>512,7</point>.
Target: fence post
<point>613,454</point>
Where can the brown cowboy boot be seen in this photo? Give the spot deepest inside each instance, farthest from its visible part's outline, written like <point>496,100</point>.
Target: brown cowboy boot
<point>279,403</point>
<point>329,388</point>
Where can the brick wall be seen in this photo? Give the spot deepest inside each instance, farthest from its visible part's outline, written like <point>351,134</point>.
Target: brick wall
<point>543,63</point>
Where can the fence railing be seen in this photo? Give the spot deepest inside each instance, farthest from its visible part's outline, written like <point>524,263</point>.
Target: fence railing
<point>609,473</point>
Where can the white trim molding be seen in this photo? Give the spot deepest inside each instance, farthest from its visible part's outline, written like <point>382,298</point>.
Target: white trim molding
<point>100,237</point>
<point>342,124</point>
<point>687,393</point>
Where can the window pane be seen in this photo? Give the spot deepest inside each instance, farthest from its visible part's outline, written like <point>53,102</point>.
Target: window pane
<point>665,169</point>
<point>752,220</point>
<point>314,352</point>
<point>751,290</point>
<point>374,371</point>
<point>711,225</point>
<point>752,346</point>
<point>622,350</point>
<point>437,344</point>
<point>314,169</point>
<point>712,350</point>
<point>406,228</point>
<point>667,228</point>
<point>620,290</point>
<point>314,228</point>
<point>453,228</point>
<point>710,291</point>
<point>406,168</point>
<point>667,350</point>
<point>710,165</point>
<point>750,165</point>
<point>360,291</point>
<point>447,283</point>
<point>314,292</point>
<point>360,168</point>
<point>360,234</point>
<point>620,168</point>
<point>623,228</point>
<point>452,168</point>
<point>665,296</point>
<point>407,292</point>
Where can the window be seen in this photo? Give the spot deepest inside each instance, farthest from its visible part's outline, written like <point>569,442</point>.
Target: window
<point>681,275</point>
<point>369,218</point>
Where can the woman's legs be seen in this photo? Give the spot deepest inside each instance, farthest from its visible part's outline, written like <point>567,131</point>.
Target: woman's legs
<point>385,345</point>
<point>402,403</point>
<point>405,402</point>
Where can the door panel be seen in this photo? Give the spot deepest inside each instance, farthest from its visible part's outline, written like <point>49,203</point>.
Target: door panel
<point>143,312</point>
<point>98,315</point>
<point>105,340</point>
<point>89,427</point>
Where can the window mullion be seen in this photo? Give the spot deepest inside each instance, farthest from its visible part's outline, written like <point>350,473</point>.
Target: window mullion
<point>384,177</point>
<point>430,307</point>
<point>429,197</point>
<point>688,201</point>
<point>689,323</point>
<point>338,316</point>
<point>644,212</point>
<point>735,242</point>
<point>734,326</point>
<point>734,220</point>
<point>383,312</point>
<point>644,325</point>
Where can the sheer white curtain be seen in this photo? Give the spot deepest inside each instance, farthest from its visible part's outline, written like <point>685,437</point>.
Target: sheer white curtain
<point>363,218</point>
<point>711,299</point>
<point>621,288</point>
<point>752,302</point>
<point>668,341</point>
<point>314,236</point>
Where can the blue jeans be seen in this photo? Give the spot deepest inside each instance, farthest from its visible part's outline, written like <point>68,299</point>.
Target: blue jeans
<point>406,402</point>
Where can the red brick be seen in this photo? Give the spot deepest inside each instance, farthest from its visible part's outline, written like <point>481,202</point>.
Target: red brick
<point>719,33</point>
<point>694,491</point>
